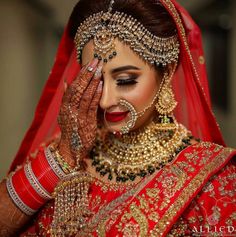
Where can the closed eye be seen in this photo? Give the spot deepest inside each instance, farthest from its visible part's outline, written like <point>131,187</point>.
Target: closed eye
<point>126,80</point>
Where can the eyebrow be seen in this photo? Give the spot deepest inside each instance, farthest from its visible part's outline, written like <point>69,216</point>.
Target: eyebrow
<point>124,68</point>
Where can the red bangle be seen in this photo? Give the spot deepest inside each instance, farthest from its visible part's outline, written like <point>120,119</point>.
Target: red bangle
<point>25,191</point>
<point>30,187</point>
<point>44,172</point>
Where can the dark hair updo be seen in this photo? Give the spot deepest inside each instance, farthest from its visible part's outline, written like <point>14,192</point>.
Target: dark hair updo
<point>150,13</point>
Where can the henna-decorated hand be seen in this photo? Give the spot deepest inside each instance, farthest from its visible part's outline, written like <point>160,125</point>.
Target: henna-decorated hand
<point>78,113</point>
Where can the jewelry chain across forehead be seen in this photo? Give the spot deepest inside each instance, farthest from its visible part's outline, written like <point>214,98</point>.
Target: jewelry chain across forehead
<point>104,28</point>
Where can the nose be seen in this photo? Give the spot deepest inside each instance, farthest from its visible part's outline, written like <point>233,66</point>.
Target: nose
<point>108,98</point>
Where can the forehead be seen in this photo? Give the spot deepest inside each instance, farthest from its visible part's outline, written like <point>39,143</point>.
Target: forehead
<point>125,56</point>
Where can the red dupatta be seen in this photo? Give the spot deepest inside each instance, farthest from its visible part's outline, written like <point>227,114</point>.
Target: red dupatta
<point>191,85</point>
<point>191,88</point>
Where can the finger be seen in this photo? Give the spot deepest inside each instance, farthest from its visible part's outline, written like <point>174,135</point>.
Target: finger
<point>96,98</point>
<point>86,74</point>
<point>67,95</point>
<point>84,68</point>
<point>76,86</point>
<point>82,82</point>
<point>90,92</point>
<point>98,91</point>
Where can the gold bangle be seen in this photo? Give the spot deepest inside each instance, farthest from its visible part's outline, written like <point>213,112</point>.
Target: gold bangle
<point>62,163</point>
<point>59,159</point>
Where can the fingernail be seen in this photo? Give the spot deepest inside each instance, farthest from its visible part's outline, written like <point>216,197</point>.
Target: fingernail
<point>98,72</point>
<point>92,65</point>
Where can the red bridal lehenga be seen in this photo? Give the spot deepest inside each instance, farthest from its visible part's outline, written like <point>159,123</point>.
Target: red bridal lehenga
<point>194,195</point>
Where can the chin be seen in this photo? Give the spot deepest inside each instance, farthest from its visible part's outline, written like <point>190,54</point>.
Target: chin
<point>113,128</point>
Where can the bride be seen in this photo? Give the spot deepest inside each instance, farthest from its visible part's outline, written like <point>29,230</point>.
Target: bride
<point>124,141</point>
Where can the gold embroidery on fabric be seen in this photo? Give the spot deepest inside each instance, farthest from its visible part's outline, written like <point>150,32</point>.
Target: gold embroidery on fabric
<point>141,220</point>
<point>106,187</point>
<point>220,194</point>
<point>100,221</point>
<point>134,218</point>
<point>143,204</point>
<point>172,179</point>
<point>153,192</point>
<point>179,229</point>
<point>102,229</point>
<point>96,202</point>
<point>194,184</point>
<point>153,216</point>
<point>232,218</point>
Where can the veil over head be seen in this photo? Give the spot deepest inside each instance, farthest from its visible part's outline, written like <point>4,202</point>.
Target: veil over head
<point>190,87</point>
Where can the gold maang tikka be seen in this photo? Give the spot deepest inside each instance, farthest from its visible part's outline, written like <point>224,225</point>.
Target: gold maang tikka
<point>104,42</point>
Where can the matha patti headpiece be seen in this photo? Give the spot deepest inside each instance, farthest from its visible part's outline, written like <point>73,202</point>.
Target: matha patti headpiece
<point>105,27</point>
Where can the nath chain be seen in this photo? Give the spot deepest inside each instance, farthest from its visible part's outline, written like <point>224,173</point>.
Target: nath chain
<point>141,113</point>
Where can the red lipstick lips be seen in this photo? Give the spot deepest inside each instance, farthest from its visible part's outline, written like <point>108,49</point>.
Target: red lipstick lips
<point>116,116</point>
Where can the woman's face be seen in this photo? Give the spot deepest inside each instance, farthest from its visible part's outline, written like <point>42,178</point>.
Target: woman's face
<point>125,77</point>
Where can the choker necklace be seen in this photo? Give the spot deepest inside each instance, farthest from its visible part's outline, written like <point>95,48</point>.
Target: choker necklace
<point>138,153</point>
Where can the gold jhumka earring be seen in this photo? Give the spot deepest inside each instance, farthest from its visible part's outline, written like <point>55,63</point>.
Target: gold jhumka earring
<point>166,104</point>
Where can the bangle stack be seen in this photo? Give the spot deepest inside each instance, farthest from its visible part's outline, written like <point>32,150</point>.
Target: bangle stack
<point>31,186</point>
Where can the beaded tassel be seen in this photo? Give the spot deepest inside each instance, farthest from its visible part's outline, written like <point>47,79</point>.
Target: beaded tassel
<point>71,205</point>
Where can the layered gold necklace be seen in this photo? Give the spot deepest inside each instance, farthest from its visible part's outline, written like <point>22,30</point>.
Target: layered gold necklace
<point>138,153</point>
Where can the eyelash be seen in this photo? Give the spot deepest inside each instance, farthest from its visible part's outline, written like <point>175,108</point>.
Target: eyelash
<point>126,82</point>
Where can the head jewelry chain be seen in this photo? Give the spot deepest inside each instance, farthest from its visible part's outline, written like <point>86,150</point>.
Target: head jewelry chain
<point>105,27</point>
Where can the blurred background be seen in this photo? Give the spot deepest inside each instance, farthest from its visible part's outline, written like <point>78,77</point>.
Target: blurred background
<point>31,30</point>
